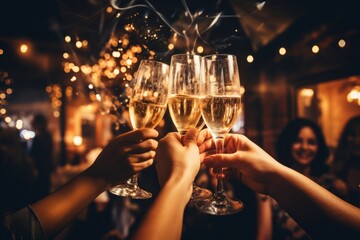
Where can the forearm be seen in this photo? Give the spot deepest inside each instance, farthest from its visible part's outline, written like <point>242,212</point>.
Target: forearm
<point>319,212</point>
<point>264,218</point>
<point>59,208</point>
<point>164,218</point>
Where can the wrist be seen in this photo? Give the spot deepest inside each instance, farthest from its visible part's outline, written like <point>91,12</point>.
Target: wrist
<point>97,179</point>
<point>181,185</point>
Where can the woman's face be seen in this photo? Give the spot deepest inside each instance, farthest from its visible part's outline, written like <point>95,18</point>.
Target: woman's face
<point>305,147</point>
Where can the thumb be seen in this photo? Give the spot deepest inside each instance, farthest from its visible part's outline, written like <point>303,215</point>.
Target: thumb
<point>190,137</point>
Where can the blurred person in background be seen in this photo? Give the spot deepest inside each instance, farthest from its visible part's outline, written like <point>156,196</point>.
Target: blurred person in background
<point>346,161</point>
<point>41,153</point>
<point>301,146</point>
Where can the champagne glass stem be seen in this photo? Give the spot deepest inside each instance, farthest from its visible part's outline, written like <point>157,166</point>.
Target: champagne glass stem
<point>219,144</point>
<point>133,181</point>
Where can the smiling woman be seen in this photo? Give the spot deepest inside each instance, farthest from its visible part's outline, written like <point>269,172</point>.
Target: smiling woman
<point>301,146</point>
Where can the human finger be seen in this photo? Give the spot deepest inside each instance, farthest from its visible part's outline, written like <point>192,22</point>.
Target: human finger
<point>190,137</point>
<point>138,135</point>
<point>144,146</point>
<point>223,160</point>
<point>139,166</point>
<point>141,157</point>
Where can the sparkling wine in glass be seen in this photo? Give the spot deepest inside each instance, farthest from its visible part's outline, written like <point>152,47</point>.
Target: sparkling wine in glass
<point>184,99</point>
<point>147,106</point>
<point>220,107</point>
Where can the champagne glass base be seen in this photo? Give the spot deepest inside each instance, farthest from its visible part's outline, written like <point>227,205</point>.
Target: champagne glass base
<point>200,193</point>
<point>131,192</point>
<point>219,204</point>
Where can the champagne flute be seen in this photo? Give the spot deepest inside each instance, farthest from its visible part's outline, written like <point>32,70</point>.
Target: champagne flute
<point>147,106</point>
<point>220,107</point>
<point>184,101</point>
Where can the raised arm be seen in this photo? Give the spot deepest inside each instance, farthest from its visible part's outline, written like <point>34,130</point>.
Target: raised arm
<point>319,212</point>
<point>177,165</point>
<point>121,158</point>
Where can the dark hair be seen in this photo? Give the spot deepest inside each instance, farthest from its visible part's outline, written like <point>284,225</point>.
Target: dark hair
<point>343,157</point>
<point>290,134</point>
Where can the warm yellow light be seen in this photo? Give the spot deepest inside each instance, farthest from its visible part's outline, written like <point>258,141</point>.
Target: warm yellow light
<point>125,42</point>
<point>56,114</point>
<point>69,91</point>
<point>341,43</point>
<point>171,46</point>
<point>2,111</point>
<point>19,124</point>
<point>249,58</point>
<point>242,90</point>
<point>78,44</point>
<point>116,54</point>
<point>1,51</point>
<point>48,89</point>
<point>128,62</point>
<point>109,9</point>
<point>315,49</point>
<point>77,140</point>
<point>282,51</point>
<point>24,48</point>
<point>67,39</point>
<point>306,92</point>
<point>65,55</point>
<point>200,49</point>
<point>76,69</point>
<point>354,95</point>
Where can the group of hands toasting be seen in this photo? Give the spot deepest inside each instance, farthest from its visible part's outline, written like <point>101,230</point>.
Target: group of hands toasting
<point>197,91</point>
<point>210,89</point>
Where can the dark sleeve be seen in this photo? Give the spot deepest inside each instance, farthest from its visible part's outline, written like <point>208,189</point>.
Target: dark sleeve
<point>22,224</point>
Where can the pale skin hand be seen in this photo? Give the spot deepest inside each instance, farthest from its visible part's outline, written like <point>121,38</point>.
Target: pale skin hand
<point>177,163</point>
<point>121,158</point>
<point>321,214</point>
<point>253,165</point>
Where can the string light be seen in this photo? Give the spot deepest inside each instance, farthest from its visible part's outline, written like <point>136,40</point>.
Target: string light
<point>282,51</point>
<point>341,43</point>
<point>249,58</point>
<point>24,48</point>
<point>315,49</point>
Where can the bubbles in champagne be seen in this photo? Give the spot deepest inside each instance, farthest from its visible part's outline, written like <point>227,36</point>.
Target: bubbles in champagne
<point>220,112</point>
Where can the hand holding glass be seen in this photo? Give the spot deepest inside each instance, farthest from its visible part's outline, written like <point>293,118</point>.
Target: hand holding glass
<point>148,103</point>
<point>220,107</point>
<point>184,101</point>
